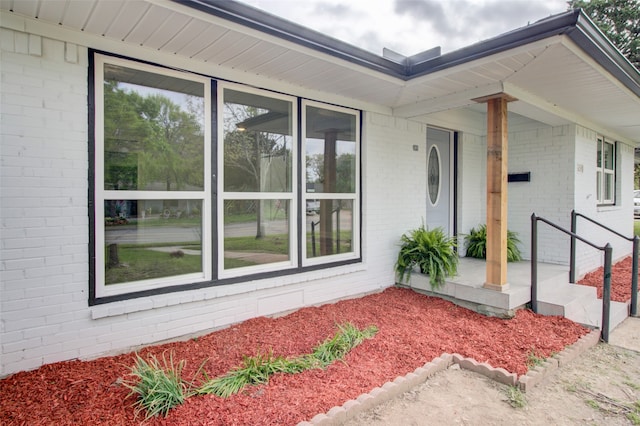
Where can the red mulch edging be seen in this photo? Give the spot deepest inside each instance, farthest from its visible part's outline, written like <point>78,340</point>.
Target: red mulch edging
<point>620,280</point>
<point>413,329</point>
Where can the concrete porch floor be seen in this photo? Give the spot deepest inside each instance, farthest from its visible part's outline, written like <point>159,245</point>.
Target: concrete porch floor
<point>466,288</point>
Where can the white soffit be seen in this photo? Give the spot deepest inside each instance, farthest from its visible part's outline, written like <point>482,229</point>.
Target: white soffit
<point>550,77</point>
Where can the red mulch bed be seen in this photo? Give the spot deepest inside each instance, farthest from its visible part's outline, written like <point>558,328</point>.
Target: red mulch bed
<point>413,329</point>
<point>620,280</point>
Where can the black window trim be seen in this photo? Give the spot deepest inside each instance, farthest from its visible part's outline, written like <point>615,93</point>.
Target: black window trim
<point>214,282</point>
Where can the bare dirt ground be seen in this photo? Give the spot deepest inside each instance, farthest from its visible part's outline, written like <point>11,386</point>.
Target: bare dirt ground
<point>600,387</point>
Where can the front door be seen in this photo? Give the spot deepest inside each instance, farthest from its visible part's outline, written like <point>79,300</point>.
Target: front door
<point>439,180</point>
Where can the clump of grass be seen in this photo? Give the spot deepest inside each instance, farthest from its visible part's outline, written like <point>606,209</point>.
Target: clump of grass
<point>257,370</point>
<point>158,385</point>
<point>254,370</point>
<point>347,338</point>
<point>533,359</point>
<point>515,397</point>
<point>634,413</point>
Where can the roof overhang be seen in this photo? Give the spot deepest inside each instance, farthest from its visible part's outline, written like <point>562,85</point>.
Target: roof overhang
<point>561,69</point>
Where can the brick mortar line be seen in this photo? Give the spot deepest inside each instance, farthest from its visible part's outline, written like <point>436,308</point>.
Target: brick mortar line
<point>337,415</point>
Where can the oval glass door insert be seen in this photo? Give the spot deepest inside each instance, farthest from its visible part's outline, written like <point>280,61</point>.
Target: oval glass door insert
<point>433,175</point>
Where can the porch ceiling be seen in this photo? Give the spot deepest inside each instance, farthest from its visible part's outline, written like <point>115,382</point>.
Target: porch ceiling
<point>552,77</point>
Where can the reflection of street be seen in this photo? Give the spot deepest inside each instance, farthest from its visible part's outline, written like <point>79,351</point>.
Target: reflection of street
<point>346,223</point>
<point>131,234</point>
<point>248,229</point>
<point>278,227</point>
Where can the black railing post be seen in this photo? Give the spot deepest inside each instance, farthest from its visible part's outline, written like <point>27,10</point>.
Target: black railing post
<point>534,263</point>
<point>572,261</point>
<point>606,293</point>
<point>634,277</point>
<point>313,238</point>
<point>338,230</point>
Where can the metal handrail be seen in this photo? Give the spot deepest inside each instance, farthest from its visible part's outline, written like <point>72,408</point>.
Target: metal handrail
<point>634,270</point>
<point>606,292</point>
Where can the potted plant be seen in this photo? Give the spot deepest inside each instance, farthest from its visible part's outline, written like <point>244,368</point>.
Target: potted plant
<point>476,244</point>
<point>431,250</point>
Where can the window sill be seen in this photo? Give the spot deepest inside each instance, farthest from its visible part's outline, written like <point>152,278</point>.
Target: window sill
<point>608,208</point>
<point>148,303</point>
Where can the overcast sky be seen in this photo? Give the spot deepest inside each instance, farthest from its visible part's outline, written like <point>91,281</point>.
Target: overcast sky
<point>411,26</point>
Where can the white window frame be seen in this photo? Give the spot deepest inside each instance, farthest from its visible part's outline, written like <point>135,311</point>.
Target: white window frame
<point>289,196</point>
<point>100,194</point>
<point>355,196</point>
<point>602,172</point>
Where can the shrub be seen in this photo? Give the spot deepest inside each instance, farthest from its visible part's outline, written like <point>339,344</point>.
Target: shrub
<point>158,385</point>
<point>476,243</point>
<point>430,250</point>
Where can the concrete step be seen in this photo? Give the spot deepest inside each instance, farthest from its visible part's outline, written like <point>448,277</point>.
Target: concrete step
<point>556,296</point>
<point>591,314</point>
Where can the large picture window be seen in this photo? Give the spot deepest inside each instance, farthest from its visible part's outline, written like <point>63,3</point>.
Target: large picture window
<point>181,204</point>
<point>605,174</point>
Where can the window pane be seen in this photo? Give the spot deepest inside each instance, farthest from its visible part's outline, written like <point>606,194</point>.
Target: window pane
<point>608,156</point>
<point>153,131</point>
<point>330,151</point>
<point>255,232</point>
<point>147,239</point>
<point>599,186</point>
<point>608,196</point>
<point>599,160</point>
<point>330,229</point>
<point>257,143</point>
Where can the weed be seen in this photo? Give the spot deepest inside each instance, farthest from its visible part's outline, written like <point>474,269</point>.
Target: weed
<point>515,397</point>
<point>534,360</point>
<point>593,404</point>
<point>632,385</point>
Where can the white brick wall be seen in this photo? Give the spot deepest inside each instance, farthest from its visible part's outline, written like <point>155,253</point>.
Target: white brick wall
<point>547,153</point>
<point>395,182</point>
<point>43,202</point>
<point>472,187</point>
<point>44,278</point>
<point>618,217</point>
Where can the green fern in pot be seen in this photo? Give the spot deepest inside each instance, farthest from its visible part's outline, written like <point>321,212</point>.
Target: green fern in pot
<point>430,250</point>
<point>476,244</point>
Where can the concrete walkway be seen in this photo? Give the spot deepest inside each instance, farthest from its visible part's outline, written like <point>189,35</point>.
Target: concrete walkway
<point>627,334</point>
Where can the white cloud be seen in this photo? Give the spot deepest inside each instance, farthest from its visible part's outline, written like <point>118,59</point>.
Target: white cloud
<point>411,26</point>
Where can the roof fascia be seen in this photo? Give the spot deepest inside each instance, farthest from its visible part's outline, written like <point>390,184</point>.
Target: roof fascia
<point>546,28</point>
<point>590,39</point>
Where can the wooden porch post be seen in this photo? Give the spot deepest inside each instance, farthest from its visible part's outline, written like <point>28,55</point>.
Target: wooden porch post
<point>497,154</point>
